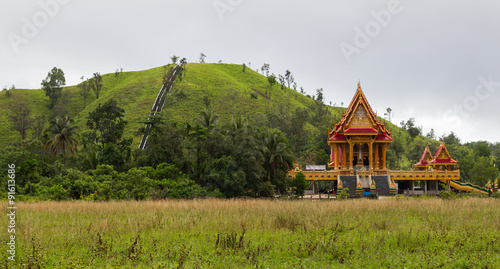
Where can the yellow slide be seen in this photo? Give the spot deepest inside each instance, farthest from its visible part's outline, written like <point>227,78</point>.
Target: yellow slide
<point>465,186</point>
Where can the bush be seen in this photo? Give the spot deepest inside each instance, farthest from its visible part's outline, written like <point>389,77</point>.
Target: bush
<point>183,188</point>
<point>300,184</point>
<point>344,194</point>
<point>56,192</point>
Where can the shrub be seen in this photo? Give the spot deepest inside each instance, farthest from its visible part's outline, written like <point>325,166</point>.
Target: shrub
<point>300,184</point>
<point>183,188</point>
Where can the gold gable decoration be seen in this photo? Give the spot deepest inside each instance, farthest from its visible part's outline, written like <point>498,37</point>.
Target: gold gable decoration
<point>359,114</point>
<point>360,119</point>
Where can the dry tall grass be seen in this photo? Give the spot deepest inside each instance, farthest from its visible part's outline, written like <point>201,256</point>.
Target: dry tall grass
<point>77,229</point>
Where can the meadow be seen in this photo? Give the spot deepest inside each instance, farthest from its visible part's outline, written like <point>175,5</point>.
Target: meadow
<point>251,233</point>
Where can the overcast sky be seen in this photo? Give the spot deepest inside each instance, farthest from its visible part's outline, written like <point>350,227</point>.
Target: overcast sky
<point>435,61</point>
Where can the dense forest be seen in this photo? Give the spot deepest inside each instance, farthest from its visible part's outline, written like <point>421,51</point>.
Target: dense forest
<point>215,148</point>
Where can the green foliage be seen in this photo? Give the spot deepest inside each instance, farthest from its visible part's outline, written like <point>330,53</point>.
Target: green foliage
<point>225,175</point>
<point>107,122</point>
<point>299,184</point>
<point>96,84</point>
<point>481,172</point>
<point>63,136</point>
<point>344,194</point>
<point>85,88</point>
<point>52,85</point>
<point>20,115</point>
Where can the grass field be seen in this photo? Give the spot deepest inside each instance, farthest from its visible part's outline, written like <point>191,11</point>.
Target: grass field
<point>396,233</point>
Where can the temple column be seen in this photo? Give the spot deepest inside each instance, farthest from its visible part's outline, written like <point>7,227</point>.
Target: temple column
<point>336,157</point>
<point>350,155</point>
<point>370,155</point>
<point>344,156</point>
<point>377,166</point>
<point>384,148</point>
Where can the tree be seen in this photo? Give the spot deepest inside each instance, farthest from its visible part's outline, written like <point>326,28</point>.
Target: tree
<point>244,67</point>
<point>107,123</point>
<point>281,80</point>
<point>20,115</point>
<point>63,136</point>
<point>388,113</point>
<point>481,172</point>
<point>52,85</point>
<point>411,128</point>
<point>300,184</point>
<point>208,120</point>
<point>431,134</point>
<point>202,57</point>
<point>183,62</point>
<point>319,95</point>
<point>289,77</point>
<point>37,127</point>
<point>174,59</point>
<point>84,91</point>
<point>272,80</point>
<point>61,108</point>
<point>265,69</point>
<point>96,84</point>
<point>276,151</point>
<point>182,68</point>
<point>482,149</point>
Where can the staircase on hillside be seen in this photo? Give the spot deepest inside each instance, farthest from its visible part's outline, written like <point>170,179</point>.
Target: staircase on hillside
<point>159,102</point>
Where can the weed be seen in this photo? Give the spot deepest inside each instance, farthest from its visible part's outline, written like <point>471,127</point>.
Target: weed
<point>101,248</point>
<point>230,240</point>
<point>135,249</point>
<point>35,259</point>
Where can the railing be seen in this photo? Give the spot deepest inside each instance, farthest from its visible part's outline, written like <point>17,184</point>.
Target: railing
<point>395,175</point>
<point>425,175</point>
<point>316,175</point>
<point>159,103</point>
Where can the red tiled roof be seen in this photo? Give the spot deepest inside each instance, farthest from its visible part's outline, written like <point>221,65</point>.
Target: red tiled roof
<point>444,161</point>
<point>338,137</point>
<point>361,130</point>
<point>383,137</point>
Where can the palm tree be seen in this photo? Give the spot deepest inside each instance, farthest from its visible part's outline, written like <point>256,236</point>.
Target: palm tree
<point>277,152</point>
<point>63,136</point>
<point>208,119</point>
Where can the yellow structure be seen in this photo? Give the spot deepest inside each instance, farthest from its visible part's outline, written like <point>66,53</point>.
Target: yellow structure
<point>359,142</point>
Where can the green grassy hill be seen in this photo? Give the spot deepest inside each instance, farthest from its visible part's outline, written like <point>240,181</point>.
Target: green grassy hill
<point>225,87</point>
<point>134,91</point>
<point>228,90</point>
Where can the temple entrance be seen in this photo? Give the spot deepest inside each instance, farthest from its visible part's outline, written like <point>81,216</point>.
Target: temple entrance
<point>361,156</point>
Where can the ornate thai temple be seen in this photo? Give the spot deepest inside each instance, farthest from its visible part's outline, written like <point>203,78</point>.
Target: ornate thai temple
<point>359,142</point>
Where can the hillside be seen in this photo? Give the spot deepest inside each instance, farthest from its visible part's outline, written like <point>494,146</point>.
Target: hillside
<point>224,87</point>
<point>134,91</point>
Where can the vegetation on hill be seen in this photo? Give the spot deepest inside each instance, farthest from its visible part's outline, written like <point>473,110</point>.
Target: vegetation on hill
<point>225,131</point>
